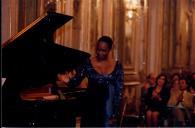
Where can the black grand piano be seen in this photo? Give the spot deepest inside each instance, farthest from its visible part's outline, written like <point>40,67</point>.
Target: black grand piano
<point>31,61</point>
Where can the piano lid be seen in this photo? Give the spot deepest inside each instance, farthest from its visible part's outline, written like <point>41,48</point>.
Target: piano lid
<point>32,55</point>
<point>47,23</point>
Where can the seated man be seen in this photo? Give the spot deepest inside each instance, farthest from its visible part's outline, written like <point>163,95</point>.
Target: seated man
<point>183,105</point>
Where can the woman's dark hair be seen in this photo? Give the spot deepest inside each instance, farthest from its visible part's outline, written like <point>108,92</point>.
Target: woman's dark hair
<point>184,78</point>
<point>192,81</point>
<point>191,76</point>
<point>175,74</point>
<point>166,80</point>
<point>187,81</point>
<point>107,40</point>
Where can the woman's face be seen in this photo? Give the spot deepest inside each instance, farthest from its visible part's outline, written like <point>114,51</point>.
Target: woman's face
<point>161,80</point>
<point>102,51</point>
<point>176,83</point>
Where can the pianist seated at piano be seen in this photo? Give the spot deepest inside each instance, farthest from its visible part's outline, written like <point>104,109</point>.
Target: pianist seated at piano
<point>62,79</point>
<point>31,61</point>
<point>105,82</point>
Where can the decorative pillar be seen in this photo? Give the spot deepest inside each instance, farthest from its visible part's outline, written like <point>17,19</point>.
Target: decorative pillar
<point>85,26</point>
<point>166,35</point>
<point>119,28</point>
<point>93,31</point>
<point>155,20</point>
<point>99,18</point>
<point>76,23</point>
<point>192,54</point>
<point>183,36</point>
<point>172,36</point>
<point>107,17</point>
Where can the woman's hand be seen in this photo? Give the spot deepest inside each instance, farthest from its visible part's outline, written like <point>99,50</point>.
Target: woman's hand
<point>155,95</point>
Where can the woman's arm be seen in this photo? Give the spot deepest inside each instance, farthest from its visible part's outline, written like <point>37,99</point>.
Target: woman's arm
<point>79,76</point>
<point>118,88</point>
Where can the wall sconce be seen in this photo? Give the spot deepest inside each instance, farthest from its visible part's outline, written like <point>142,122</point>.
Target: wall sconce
<point>50,5</point>
<point>132,8</point>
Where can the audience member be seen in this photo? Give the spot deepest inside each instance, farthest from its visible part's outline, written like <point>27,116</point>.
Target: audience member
<point>174,93</point>
<point>156,100</point>
<point>174,76</point>
<point>182,105</point>
<point>192,83</point>
<point>150,82</point>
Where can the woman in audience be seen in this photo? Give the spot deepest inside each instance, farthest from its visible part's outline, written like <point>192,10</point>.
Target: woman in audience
<point>174,93</point>
<point>174,76</point>
<point>156,100</point>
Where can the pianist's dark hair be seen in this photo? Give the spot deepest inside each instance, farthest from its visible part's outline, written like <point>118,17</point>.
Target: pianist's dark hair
<point>107,40</point>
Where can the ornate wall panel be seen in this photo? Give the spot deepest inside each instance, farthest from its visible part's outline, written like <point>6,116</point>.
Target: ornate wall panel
<point>182,36</point>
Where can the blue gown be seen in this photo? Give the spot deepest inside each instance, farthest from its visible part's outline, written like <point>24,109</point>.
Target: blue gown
<point>104,94</point>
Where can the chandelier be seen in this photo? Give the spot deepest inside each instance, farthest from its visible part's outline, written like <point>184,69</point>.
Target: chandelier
<point>133,7</point>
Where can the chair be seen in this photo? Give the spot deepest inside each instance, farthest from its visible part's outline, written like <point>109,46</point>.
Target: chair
<point>124,115</point>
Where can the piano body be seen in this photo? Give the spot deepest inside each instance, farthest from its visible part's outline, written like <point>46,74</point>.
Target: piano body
<point>30,63</point>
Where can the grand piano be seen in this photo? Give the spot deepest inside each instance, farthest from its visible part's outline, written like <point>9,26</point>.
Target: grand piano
<point>31,61</point>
